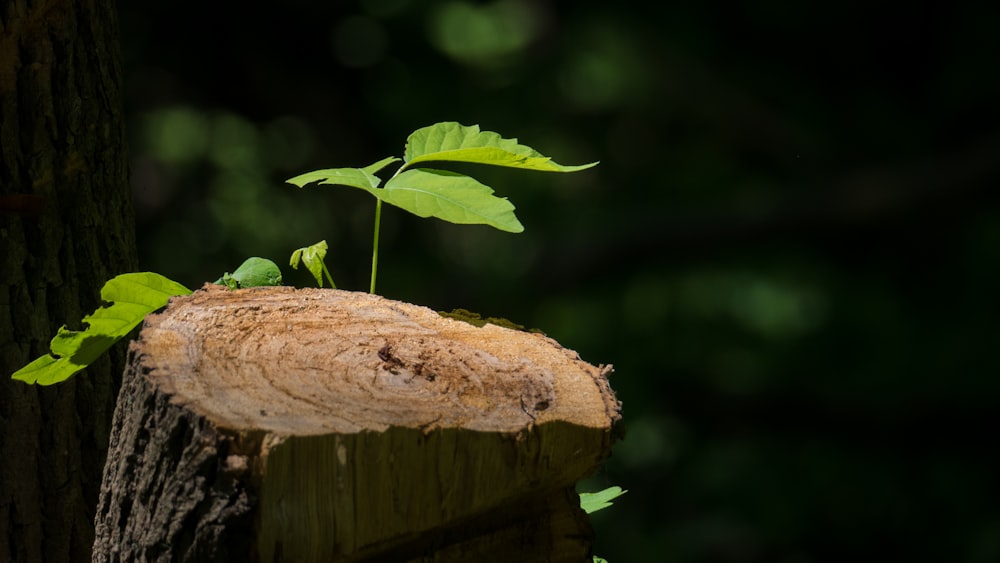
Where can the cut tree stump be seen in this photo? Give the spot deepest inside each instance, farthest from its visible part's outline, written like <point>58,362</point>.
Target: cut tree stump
<point>274,424</point>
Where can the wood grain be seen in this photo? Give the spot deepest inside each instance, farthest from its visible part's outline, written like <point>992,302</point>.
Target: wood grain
<point>362,429</point>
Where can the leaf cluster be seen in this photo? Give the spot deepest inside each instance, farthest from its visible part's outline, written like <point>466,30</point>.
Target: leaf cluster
<point>432,192</point>
<point>449,196</point>
<point>132,297</point>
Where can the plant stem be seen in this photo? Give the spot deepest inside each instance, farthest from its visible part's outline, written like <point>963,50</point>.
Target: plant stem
<point>329,278</point>
<point>378,221</point>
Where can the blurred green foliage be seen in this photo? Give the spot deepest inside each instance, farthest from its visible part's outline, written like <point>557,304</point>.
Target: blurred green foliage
<point>789,251</point>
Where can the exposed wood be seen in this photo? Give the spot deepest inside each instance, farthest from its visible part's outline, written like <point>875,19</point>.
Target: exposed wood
<point>273,424</point>
<point>66,226</point>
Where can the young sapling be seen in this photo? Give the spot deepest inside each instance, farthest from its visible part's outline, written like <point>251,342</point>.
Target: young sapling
<point>431,192</point>
<point>312,257</point>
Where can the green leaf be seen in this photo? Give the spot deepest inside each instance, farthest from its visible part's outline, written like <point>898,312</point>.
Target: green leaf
<point>253,272</point>
<point>449,196</point>
<point>356,177</point>
<point>375,168</point>
<point>592,502</point>
<point>451,141</point>
<point>312,257</point>
<point>363,178</point>
<point>132,297</point>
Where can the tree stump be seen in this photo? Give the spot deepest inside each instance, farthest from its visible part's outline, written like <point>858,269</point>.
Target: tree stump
<point>274,424</point>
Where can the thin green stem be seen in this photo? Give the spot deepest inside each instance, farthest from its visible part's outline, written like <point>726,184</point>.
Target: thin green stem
<point>378,221</point>
<point>329,278</point>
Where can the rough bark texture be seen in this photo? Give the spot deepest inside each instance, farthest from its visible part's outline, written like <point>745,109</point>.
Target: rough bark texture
<point>66,225</point>
<point>273,424</point>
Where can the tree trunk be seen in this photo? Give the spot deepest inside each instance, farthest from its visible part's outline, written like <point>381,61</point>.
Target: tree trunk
<point>273,424</point>
<point>66,226</point>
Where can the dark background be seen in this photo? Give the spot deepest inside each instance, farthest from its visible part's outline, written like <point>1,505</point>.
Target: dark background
<point>788,251</point>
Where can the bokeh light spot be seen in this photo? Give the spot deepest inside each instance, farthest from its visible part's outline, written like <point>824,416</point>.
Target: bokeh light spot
<point>176,135</point>
<point>483,35</point>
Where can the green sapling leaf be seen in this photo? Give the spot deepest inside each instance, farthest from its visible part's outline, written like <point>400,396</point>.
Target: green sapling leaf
<point>375,168</point>
<point>451,141</point>
<point>253,272</point>
<point>354,177</point>
<point>312,257</point>
<point>450,196</point>
<point>132,297</point>
<point>363,178</point>
<point>592,502</point>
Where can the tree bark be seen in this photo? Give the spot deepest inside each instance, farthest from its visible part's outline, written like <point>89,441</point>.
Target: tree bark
<point>274,424</point>
<point>66,226</point>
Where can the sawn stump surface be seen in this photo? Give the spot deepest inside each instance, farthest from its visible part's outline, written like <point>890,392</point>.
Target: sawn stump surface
<point>274,424</point>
